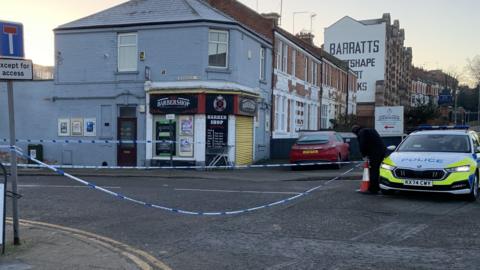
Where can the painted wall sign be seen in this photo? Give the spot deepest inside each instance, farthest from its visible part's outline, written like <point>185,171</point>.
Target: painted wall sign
<point>173,104</point>
<point>363,47</point>
<point>219,104</point>
<point>247,106</point>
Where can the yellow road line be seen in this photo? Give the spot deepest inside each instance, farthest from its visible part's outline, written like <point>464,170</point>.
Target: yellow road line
<point>124,249</point>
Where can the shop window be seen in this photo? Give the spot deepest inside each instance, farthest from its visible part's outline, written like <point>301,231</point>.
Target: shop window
<point>127,52</point>
<point>300,115</point>
<point>174,137</point>
<point>218,49</point>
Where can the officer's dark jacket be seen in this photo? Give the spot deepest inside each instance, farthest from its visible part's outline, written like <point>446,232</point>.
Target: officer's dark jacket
<point>371,145</point>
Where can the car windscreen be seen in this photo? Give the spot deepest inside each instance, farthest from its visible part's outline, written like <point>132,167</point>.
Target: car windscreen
<point>436,143</point>
<point>314,139</point>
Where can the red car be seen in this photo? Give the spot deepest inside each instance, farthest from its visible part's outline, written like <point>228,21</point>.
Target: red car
<point>322,146</point>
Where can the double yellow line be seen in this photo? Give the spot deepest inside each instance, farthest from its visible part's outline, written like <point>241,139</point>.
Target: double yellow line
<point>142,259</point>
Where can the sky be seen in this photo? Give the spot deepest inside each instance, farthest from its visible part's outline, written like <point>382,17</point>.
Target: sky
<point>442,33</point>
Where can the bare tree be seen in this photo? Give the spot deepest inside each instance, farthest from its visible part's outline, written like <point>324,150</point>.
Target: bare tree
<point>474,69</point>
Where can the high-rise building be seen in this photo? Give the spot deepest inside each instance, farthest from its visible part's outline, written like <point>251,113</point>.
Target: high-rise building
<point>375,50</point>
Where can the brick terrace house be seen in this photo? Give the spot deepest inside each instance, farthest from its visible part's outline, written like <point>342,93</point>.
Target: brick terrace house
<point>310,86</point>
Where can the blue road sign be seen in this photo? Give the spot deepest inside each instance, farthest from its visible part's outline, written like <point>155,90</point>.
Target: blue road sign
<point>11,40</point>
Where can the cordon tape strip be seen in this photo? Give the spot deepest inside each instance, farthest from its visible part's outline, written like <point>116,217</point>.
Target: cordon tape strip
<point>169,209</point>
<point>204,167</point>
<point>75,141</point>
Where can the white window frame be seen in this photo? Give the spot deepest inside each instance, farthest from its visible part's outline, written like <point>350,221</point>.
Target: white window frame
<point>306,69</point>
<point>263,63</point>
<point>279,55</point>
<point>220,42</point>
<point>277,113</point>
<point>294,60</point>
<point>284,57</point>
<point>119,46</point>
<point>314,73</point>
<point>284,114</point>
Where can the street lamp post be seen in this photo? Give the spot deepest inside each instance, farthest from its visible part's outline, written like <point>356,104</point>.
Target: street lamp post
<point>478,106</point>
<point>455,107</point>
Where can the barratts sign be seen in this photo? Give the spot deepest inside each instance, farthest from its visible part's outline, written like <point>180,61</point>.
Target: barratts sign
<point>363,47</point>
<point>12,69</point>
<point>389,121</point>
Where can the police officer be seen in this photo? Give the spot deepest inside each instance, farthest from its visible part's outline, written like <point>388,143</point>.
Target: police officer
<point>373,148</point>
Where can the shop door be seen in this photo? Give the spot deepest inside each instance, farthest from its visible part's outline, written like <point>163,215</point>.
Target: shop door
<point>127,152</point>
<point>244,140</point>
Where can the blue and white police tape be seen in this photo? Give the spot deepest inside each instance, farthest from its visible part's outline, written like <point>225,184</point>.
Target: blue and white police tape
<point>231,167</point>
<point>175,210</point>
<point>79,141</point>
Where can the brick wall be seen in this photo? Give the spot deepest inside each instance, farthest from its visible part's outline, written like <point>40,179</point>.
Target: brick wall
<point>245,16</point>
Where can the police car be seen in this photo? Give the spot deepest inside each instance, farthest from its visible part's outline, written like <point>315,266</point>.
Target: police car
<point>434,159</point>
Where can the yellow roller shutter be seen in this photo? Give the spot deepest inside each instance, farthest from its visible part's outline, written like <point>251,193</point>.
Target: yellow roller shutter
<point>244,140</point>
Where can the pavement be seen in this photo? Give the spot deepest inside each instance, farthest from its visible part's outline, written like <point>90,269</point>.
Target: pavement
<point>47,246</point>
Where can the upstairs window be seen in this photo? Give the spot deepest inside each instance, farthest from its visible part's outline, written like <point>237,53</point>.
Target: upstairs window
<point>218,49</point>
<point>294,60</point>
<point>127,52</point>
<point>285,57</point>
<point>314,73</point>
<point>306,69</point>
<point>263,63</point>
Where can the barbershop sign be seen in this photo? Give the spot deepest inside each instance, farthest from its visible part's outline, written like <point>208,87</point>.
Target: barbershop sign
<point>173,104</point>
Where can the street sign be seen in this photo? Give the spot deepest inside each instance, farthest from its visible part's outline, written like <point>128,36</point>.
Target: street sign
<point>389,121</point>
<point>11,40</point>
<point>16,69</point>
<point>2,213</point>
<point>13,67</point>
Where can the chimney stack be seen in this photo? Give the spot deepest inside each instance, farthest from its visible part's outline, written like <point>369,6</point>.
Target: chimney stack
<point>275,17</point>
<point>306,36</point>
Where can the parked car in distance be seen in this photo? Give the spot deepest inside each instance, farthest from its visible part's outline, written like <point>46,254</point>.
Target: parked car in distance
<point>319,146</point>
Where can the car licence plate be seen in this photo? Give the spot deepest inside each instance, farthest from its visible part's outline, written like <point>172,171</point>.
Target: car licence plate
<point>418,183</point>
<point>309,152</point>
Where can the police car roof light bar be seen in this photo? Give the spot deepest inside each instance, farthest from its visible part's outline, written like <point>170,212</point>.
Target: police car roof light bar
<point>430,127</point>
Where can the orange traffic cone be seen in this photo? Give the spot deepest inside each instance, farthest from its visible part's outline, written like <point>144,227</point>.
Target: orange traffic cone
<point>365,179</point>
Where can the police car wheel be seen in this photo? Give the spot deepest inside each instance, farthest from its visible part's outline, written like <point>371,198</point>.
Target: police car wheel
<point>474,192</point>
